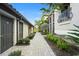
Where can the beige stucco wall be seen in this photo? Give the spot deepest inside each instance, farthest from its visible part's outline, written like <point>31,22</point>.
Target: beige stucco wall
<point>25,30</point>
<point>31,29</point>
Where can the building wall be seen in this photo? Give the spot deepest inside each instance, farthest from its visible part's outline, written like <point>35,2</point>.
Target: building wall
<point>64,27</point>
<point>25,26</point>
<point>25,30</point>
<point>15,34</point>
<point>2,12</point>
<point>61,28</point>
<point>32,29</point>
<point>75,11</point>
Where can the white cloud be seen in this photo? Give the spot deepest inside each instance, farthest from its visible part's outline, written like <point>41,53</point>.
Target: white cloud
<point>33,22</point>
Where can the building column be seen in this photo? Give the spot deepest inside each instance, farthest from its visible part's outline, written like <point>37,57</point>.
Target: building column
<point>18,30</point>
<point>14,32</point>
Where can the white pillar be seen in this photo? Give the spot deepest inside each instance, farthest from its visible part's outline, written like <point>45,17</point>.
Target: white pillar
<point>14,32</point>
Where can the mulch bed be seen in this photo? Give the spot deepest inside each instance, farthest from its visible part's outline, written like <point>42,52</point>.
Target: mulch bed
<point>73,51</point>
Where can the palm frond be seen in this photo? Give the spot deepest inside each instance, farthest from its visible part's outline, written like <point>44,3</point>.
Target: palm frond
<point>75,39</point>
<point>76,26</point>
<point>75,30</point>
<point>76,34</point>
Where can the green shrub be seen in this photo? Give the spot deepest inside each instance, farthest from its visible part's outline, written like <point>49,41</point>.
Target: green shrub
<point>58,41</point>
<point>62,44</point>
<point>31,35</point>
<point>45,31</point>
<point>23,41</point>
<point>20,41</point>
<point>55,39</point>
<point>26,41</point>
<point>15,53</point>
<point>50,36</point>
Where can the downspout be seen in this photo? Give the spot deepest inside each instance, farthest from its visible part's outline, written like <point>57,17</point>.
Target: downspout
<point>53,23</point>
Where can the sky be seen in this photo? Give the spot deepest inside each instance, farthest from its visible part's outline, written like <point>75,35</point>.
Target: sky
<point>31,11</point>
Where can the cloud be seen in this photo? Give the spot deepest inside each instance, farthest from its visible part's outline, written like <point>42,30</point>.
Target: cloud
<point>37,18</point>
<point>33,22</point>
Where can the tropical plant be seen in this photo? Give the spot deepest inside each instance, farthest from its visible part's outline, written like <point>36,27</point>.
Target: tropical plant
<point>43,19</point>
<point>55,39</point>
<point>49,36</point>
<point>74,35</point>
<point>45,11</point>
<point>62,45</point>
<point>51,9</point>
<point>58,41</point>
<point>38,23</point>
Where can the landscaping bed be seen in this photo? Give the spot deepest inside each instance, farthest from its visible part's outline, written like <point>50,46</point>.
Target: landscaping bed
<point>15,53</point>
<point>31,35</point>
<point>26,41</point>
<point>63,49</point>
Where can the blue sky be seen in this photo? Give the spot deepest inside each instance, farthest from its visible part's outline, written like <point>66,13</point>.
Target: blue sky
<point>31,11</point>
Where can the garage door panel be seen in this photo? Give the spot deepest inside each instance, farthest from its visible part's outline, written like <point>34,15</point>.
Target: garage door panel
<point>7,33</point>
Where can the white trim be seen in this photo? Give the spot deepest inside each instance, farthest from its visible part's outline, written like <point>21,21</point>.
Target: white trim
<point>2,12</point>
<point>14,32</point>
<point>64,23</point>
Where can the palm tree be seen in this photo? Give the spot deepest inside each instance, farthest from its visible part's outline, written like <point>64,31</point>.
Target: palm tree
<point>38,23</point>
<point>44,10</point>
<point>51,9</point>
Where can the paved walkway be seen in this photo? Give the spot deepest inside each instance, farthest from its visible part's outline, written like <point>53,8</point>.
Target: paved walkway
<point>38,47</point>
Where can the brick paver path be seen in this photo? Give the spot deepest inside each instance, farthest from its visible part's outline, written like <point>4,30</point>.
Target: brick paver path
<point>38,47</point>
